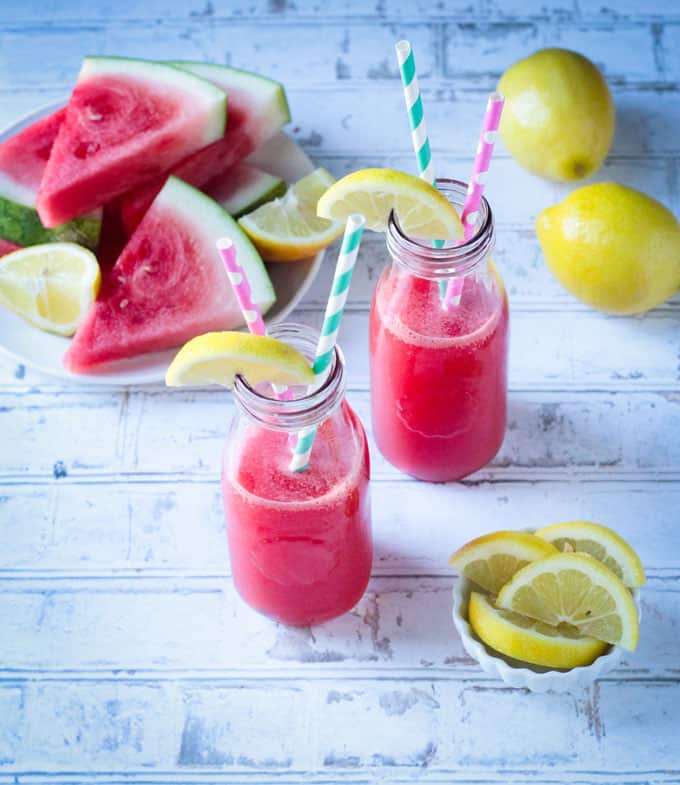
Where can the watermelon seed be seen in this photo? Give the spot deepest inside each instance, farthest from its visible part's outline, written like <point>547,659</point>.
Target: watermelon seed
<point>124,303</point>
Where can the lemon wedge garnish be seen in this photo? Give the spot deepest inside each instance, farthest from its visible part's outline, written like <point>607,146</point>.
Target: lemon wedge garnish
<point>217,358</point>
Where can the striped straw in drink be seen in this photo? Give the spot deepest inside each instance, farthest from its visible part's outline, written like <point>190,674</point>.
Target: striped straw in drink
<point>241,286</point>
<point>480,168</point>
<point>416,118</point>
<point>342,279</point>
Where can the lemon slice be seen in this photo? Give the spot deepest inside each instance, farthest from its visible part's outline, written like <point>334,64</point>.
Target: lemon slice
<point>574,588</point>
<point>217,358</point>
<point>422,210</point>
<point>529,640</point>
<point>288,228</point>
<point>600,542</point>
<point>490,561</point>
<point>51,285</point>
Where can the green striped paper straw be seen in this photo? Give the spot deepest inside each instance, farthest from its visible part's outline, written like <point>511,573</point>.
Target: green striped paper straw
<point>416,118</point>
<point>349,250</point>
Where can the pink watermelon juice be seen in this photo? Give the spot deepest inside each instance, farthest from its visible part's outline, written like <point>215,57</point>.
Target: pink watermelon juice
<point>439,378</point>
<point>300,542</point>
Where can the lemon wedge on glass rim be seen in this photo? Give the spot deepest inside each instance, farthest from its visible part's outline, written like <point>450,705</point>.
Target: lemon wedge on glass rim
<point>422,210</point>
<point>217,358</point>
<point>50,285</point>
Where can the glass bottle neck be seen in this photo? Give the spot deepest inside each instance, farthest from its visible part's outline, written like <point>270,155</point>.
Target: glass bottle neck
<point>302,408</point>
<point>423,259</point>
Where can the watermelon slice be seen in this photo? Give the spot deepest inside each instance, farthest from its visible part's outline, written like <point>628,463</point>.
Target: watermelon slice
<point>127,121</point>
<point>112,239</point>
<point>23,159</point>
<point>169,284</point>
<point>7,247</point>
<point>243,188</point>
<point>257,110</point>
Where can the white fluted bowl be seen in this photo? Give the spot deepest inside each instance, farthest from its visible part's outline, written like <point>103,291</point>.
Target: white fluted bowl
<point>522,674</point>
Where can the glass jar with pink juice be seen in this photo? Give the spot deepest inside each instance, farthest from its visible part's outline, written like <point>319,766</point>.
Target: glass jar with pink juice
<point>439,376</point>
<point>300,542</point>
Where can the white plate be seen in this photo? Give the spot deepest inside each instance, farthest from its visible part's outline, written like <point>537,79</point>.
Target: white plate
<point>26,344</point>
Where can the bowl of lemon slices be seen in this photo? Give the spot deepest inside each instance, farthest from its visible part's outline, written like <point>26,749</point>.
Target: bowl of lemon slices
<point>548,610</point>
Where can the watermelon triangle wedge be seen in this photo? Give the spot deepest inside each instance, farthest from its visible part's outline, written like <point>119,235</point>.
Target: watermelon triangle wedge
<point>258,108</point>
<point>127,121</point>
<point>169,284</point>
<point>23,159</point>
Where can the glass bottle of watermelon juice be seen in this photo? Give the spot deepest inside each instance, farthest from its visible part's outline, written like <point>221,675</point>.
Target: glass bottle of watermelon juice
<point>300,542</point>
<point>439,377</point>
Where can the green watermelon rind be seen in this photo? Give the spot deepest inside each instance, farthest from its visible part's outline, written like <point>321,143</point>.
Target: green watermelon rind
<point>170,75</point>
<point>21,224</point>
<point>212,222</point>
<point>263,188</point>
<point>225,76</point>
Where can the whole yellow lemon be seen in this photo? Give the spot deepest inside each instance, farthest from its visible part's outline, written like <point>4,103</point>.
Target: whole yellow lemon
<point>613,247</point>
<point>559,117</point>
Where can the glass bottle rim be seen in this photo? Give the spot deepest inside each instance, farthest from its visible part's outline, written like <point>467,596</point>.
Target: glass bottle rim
<point>451,261</point>
<point>307,410</point>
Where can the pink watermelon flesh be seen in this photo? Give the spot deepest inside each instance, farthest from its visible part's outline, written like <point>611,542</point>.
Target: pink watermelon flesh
<point>257,110</point>
<point>120,130</point>
<point>199,168</point>
<point>112,239</point>
<point>168,286</point>
<point>23,157</point>
<point>7,247</point>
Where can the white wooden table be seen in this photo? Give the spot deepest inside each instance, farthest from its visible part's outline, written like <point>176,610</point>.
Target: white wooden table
<point>125,655</point>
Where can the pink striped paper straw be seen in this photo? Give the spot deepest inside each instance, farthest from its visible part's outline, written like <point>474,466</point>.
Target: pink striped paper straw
<point>239,281</point>
<point>492,119</point>
<point>241,285</point>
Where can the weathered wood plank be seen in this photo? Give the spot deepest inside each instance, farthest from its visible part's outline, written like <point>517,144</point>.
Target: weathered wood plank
<point>473,49</point>
<point>37,427</point>
<point>478,52</point>
<point>330,727</point>
<point>177,527</point>
<point>200,624</point>
<point>545,432</point>
<point>351,50</point>
<point>283,12</point>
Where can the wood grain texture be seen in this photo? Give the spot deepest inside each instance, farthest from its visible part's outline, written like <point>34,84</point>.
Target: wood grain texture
<point>126,655</point>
